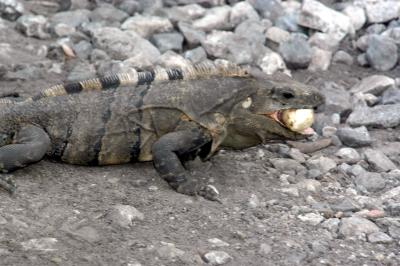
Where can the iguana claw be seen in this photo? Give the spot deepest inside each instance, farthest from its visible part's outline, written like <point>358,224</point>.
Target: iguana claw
<point>192,188</point>
<point>209,192</point>
<point>8,184</point>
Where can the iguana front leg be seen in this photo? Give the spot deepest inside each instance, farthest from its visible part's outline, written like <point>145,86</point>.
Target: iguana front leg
<point>29,146</point>
<point>168,152</point>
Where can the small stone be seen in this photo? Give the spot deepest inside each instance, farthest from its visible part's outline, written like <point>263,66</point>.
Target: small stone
<point>171,59</point>
<point>271,62</point>
<point>311,218</point>
<point>322,163</point>
<point>277,35</point>
<point>73,18</point>
<point>216,242</point>
<point>83,49</point>
<point>291,191</point>
<point>341,57</point>
<point>253,30</point>
<point>337,98</point>
<point>87,233</point>
<point>379,238</point>
<point>357,226</point>
<point>385,116</point>
<point>354,137</point>
<point>375,84</point>
<point>372,182</point>
<point>348,155</point>
<point>321,59</point>
<point>297,155</point>
<point>357,16</point>
<point>382,53</point>
<point>216,18</point>
<point>217,257</point>
<point>382,11</point>
<point>362,60</point>
<point>63,30</point>
<point>169,251</point>
<point>168,41</point>
<point>33,26</point>
<point>331,224</point>
<point>345,205</point>
<point>391,96</point>
<point>192,35</point>
<point>146,26</point>
<point>186,13</point>
<point>376,29</point>
<point>253,202</point>
<point>296,52</point>
<point>264,249</point>
<point>196,55</point>
<point>356,170</point>
<point>107,13</point>
<point>324,41</point>
<point>11,9</point>
<point>241,12</point>
<point>284,165</point>
<point>152,188</point>
<point>270,9</point>
<point>309,185</point>
<point>83,70</point>
<point>124,215</point>
<point>379,160</point>
<point>328,131</point>
<point>46,244</point>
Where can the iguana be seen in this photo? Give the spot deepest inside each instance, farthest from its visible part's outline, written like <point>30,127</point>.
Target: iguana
<point>167,122</point>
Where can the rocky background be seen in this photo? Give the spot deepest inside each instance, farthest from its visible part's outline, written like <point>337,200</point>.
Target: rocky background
<point>333,201</point>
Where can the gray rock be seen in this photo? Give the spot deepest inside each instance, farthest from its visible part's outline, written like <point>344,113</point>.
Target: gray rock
<point>284,165</point>
<point>394,193</point>
<point>382,53</point>
<point>379,161</point>
<point>375,84</point>
<point>169,251</point>
<point>317,16</point>
<point>348,155</point>
<point>382,11</point>
<point>196,55</point>
<point>362,42</point>
<point>83,49</point>
<point>296,52</point>
<point>328,131</point>
<point>394,231</point>
<point>86,233</point>
<point>337,98</point>
<point>357,226</point>
<point>345,205</point>
<point>378,116</point>
<point>270,9</point>
<point>33,26</point>
<point>277,35</point>
<point>108,14</point>
<point>146,26</point>
<point>11,9</point>
<point>217,243</point>
<point>171,59</point>
<point>124,215</point>
<point>331,224</point>
<point>216,18</point>
<point>253,30</point>
<point>192,35</point>
<point>297,155</point>
<point>362,60</point>
<point>121,45</point>
<point>217,257</point>
<point>186,13</point>
<point>46,244</point>
<point>311,218</point>
<point>370,182</point>
<point>73,18</point>
<point>98,55</point>
<point>376,29</point>
<point>128,6</point>
<point>341,57</point>
<point>168,41</point>
<point>62,30</point>
<point>324,41</point>
<point>241,12</point>
<point>81,71</point>
<point>379,238</point>
<point>321,59</point>
<point>356,170</point>
<point>227,45</point>
<point>264,249</point>
<point>271,62</point>
<point>309,185</point>
<point>354,137</point>
<point>288,22</point>
<point>393,33</point>
<point>322,163</point>
<point>391,96</point>
<point>357,16</point>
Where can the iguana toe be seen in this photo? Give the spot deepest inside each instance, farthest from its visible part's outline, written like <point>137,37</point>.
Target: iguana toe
<point>209,192</point>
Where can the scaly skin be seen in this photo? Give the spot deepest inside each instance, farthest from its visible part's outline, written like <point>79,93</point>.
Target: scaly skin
<point>166,123</point>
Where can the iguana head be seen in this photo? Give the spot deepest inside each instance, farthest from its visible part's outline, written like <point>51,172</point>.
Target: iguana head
<point>271,110</point>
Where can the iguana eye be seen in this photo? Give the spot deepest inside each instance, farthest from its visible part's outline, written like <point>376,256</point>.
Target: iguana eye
<point>247,103</point>
<point>287,95</point>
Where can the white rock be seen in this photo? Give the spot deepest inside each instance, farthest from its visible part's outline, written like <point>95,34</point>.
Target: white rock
<point>320,17</point>
<point>357,226</point>
<point>271,62</point>
<point>382,11</point>
<point>216,18</point>
<point>46,244</point>
<point>217,257</point>
<point>375,84</point>
<point>379,238</point>
<point>277,35</point>
<point>394,193</point>
<point>356,15</point>
<point>171,59</point>
<point>146,26</point>
<point>216,242</point>
<point>321,59</point>
<point>123,215</point>
<point>241,12</point>
<point>324,41</point>
<point>311,218</point>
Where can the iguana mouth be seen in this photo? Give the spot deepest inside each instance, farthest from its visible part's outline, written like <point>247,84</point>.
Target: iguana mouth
<point>296,120</point>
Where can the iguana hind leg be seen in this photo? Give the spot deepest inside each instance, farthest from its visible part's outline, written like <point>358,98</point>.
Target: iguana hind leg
<point>29,146</point>
<point>168,152</point>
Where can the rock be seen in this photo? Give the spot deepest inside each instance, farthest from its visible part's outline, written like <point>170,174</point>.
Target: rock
<point>341,57</point>
<point>171,59</point>
<point>217,257</point>
<point>331,224</point>
<point>253,201</point>
<point>357,16</point>
<point>73,18</point>
<point>317,16</point>
<point>345,205</point>
<point>83,49</point>
<point>284,165</point>
<point>270,9</point>
<point>378,116</point>
<point>124,215</point>
<point>33,26</point>
<point>382,53</point>
<point>277,35</point>
<point>186,13</point>
<point>291,191</point>
<point>146,26</point>
<point>168,41</point>
<point>393,33</point>
<point>321,59</point>
<point>337,98</point>
<point>297,155</point>
<point>62,30</point>
<point>296,52</point>
<point>108,14</point>
<point>379,238</point>
<point>196,55</point>
<point>46,244</point>
<point>328,131</point>
<point>356,170</point>
<point>168,251</point>
<point>271,62</point>
<point>121,45</point>
<point>192,35</point>
<point>217,243</point>
<point>253,30</point>
<point>241,12</point>
<point>128,6</point>
<point>216,18</point>
<point>324,41</point>
<point>264,249</point>
<point>354,137</point>
<point>11,9</point>
<point>362,60</point>
<point>87,233</point>
<point>230,46</point>
<point>311,218</point>
<point>309,185</point>
<point>322,163</point>
<point>376,29</point>
<point>394,231</point>
<point>379,161</point>
<point>394,193</point>
<point>348,155</point>
<point>370,182</point>
<point>357,226</point>
<point>375,84</point>
<point>391,96</point>
<point>81,71</point>
<point>382,11</point>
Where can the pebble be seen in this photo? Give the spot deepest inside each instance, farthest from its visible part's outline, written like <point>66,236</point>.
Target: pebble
<point>253,201</point>
<point>374,84</point>
<point>216,242</point>
<point>382,11</point>
<point>33,26</point>
<point>185,13</point>
<point>379,238</point>
<point>242,11</point>
<point>124,215</point>
<point>73,18</point>
<point>271,62</point>
<point>46,244</point>
<point>322,163</point>
<point>331,224</point>
<point>337,98</point>
<point>311,218</point>
<point>277,35</point>
<point>196,55</point>
<point>379,161</point>
<point>357,226</point>
<point>146,26</point>
<point>11,9</point>
<point>87,233</point>
<point>217,257</point>
<point>348,155</point>
<point>341,57</point>
<point>192,35</point>
<point>168,251</point>
<point>354,137</point>
<point>345,205</point>
<point>296,52</point>
<point>357,16</point>
<point>321,59</point>
<point>216,18</point>
<point>391,96</point>
<point>264,249</point>
<point>369,181</point>
<point>270,9</point>
<point>108,15</point>
<point>382,53</point>
<point>285,165</point>
<point>168,41</point>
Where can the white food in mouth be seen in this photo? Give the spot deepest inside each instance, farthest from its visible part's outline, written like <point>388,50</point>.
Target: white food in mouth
<point>298,120</point>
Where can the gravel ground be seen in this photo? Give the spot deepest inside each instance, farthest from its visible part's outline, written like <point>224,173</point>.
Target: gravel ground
<point>333,201</point>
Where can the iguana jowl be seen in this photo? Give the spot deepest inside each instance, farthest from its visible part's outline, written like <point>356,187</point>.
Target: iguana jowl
<point>166,122</point>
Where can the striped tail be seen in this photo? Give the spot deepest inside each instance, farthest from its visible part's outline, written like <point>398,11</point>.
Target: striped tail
<point>135,78</point>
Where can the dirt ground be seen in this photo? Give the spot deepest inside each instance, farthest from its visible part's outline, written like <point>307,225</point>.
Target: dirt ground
<point>257,220</point>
